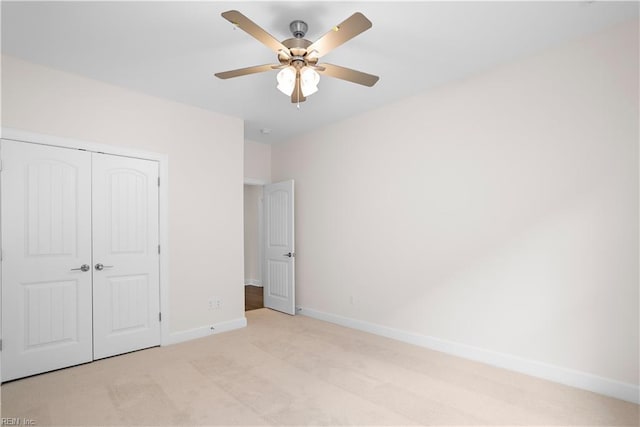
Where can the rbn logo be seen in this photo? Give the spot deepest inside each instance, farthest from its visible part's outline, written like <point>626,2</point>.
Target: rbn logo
<point>17,422</point>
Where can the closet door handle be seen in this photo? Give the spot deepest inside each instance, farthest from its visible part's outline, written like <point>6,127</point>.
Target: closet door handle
<point>101,267</point>
<point>290,254</point>
<point>83,267</point>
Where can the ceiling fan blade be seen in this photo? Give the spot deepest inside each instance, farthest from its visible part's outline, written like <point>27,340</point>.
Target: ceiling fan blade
<point>347,74</point>
<point>341,33</point>
<point>245,71</point>
<point>251,28</point>
<point>296,95</point>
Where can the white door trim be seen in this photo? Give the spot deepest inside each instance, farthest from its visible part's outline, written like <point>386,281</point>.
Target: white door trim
<point>255,181</point>
<point>259,281</point>
<point>163,163</point>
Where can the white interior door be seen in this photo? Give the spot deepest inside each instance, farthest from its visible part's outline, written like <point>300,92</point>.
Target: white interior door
<point>279,263</point>
<point>126,281</point>
<point>46,238</point>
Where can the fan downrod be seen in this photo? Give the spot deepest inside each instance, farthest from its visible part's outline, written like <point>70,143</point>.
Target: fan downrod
<point>298,28</point>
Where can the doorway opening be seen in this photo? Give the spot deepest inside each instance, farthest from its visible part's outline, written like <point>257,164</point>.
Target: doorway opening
<point>269,240</point>
<point>253,284</point>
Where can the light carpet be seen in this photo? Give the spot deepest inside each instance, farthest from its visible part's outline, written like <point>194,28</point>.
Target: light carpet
<point>284,370</point>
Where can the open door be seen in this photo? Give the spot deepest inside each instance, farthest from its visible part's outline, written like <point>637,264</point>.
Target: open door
<point>279,262</point>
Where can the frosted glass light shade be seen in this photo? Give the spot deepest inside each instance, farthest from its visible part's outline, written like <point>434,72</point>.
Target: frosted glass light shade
<point>309,80</point>
<point>286,80</point>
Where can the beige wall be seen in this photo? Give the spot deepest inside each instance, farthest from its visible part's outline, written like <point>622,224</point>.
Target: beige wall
<point>257,161</point>
<point>205,152</point>
<point>252,268</point>
<point>499,212</point>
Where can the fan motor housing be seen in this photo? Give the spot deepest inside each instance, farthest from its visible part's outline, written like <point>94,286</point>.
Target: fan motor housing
<point>298,28</point>
<point>297,46</point>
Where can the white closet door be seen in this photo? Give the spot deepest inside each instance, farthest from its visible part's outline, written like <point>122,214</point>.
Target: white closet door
<point>126,300</point>
<point>279,263</point>
<point>46,238</point>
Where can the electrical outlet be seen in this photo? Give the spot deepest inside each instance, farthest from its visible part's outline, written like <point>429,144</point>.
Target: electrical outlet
<point>215,303</point>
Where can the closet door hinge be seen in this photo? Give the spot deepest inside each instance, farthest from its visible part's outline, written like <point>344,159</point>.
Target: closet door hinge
<point>0,345</point>
<point>158,249</point>
<point>158,181</point>
<point>159,317</point>
<point>0,165</point>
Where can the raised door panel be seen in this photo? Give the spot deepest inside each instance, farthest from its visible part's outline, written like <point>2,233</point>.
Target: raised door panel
<point>278,277</point>
<point>50,314</point>
<point>127,219</point>
<point>128,308</point>
<point>51,208</point>
<point>279,223</point>
<point>46,237</point>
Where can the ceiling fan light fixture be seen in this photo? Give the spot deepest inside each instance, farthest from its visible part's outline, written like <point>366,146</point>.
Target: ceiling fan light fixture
<point>286,80</point>
<point>298,57</point>
<point>309,80</point>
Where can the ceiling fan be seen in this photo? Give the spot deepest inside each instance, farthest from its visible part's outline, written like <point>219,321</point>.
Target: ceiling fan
<point>298,57</point>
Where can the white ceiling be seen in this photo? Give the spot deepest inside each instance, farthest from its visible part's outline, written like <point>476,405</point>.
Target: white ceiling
<point>172,49</point>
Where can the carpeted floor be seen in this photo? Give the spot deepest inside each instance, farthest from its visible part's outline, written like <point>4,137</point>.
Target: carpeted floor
<point>284,370</point>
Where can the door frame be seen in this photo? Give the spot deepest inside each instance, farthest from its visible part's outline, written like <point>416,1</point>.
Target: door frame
<point>163,202</point>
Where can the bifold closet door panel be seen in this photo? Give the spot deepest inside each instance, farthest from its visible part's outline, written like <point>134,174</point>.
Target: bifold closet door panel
<point>126,282</point>
<point>46,266</point>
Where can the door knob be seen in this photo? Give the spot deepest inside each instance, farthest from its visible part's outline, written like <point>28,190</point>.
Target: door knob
<point>83,267</point>
<point>289,254</point>
<point>101,267</point>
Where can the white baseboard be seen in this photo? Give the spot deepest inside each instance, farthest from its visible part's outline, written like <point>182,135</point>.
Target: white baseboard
<point>253,282</point>
<point>204,331</point>
<point>577,379</point>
